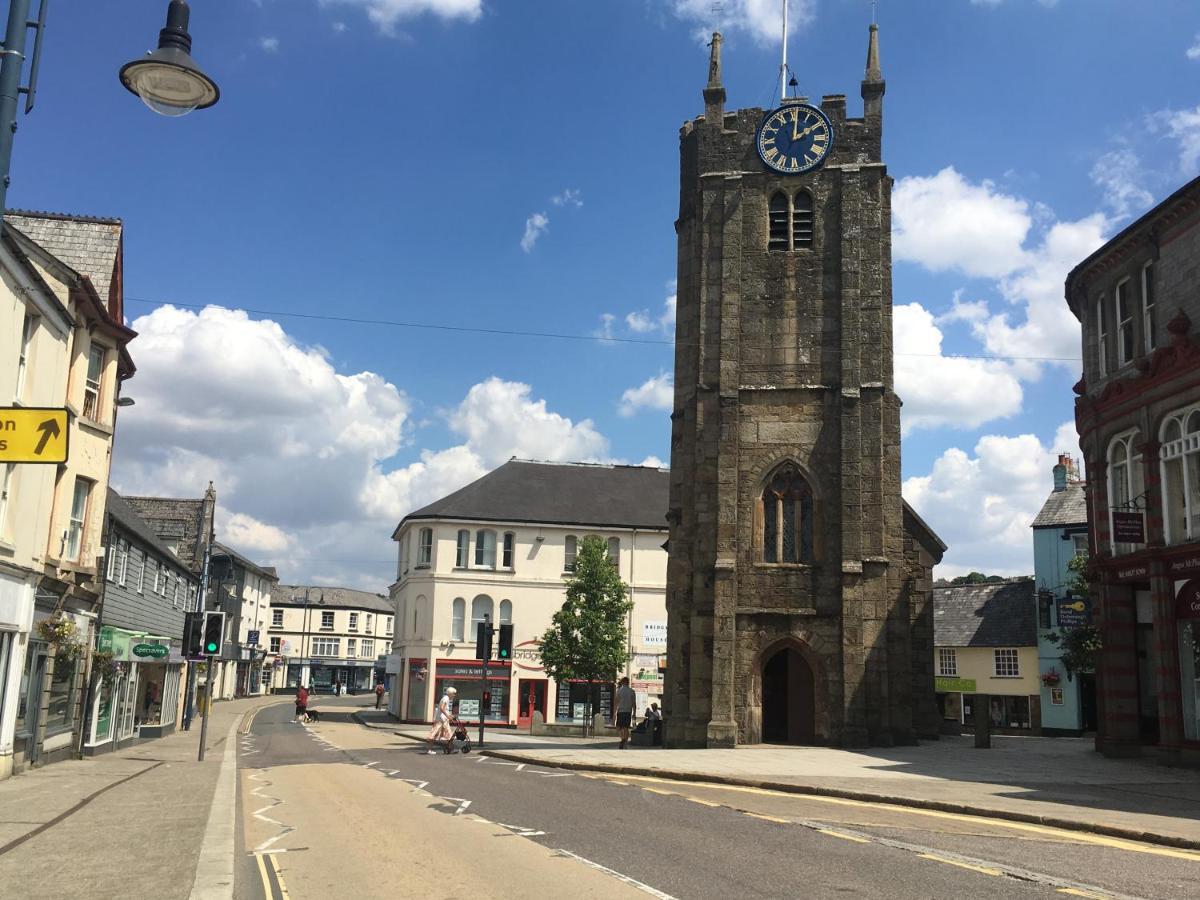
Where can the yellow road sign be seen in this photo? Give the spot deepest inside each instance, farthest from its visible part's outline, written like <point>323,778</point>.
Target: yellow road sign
<point>33,435</point>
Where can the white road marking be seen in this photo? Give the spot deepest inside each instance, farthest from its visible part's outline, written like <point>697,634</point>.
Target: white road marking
<point>633,882</point>
<point>393,773</point>
<point>462,804</point>
<point>521,830</point>
<point>417,785</point>
<point>258,813</point>
<point>368,765</point>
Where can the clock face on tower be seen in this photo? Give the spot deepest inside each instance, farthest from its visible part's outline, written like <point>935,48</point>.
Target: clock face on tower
<point>794,138</point>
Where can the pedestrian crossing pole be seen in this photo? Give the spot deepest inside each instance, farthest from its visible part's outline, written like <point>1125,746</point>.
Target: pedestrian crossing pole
<point>483,651</point>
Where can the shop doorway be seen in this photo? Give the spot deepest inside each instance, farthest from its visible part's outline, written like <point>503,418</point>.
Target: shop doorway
<point>788,699</point>
<point>1087,701</point>
<point>531,695</point>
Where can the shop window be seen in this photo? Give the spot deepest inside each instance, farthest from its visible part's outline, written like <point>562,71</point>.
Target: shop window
<point>61,711</point>
<point>510,545</point>
<point>353,622</point>
<point>276,618</point>
<point>31,684</point>
<point>1189,671</point>
<point>947,662</point>
<point>1124,311</point>
<point>505,612</point>
<point>485,549</point>
<point>787,517</point>
<point>571,548</point>
<point>326,620</point>
<point>462,552</point>
<point>1181,475</point>
<point>1126,490</point>
<point>1009,712</point>
<point>574,697</point>
<point>1007,663</point>
<point>458,612</point>
<point>425,548</point>
<point>1149,339</point>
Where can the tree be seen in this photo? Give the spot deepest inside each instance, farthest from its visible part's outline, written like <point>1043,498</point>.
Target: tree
<point>1080,646</point>
<point>976,578</point>
<point>588,638</point>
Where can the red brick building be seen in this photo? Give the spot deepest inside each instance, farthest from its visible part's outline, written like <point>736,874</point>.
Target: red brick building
<point>1138,416</point>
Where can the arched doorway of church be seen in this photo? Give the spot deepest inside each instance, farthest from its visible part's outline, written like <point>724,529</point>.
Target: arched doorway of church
<point>788,699</point>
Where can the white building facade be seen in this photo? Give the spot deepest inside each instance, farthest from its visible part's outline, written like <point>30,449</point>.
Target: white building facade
<point>503,549</point>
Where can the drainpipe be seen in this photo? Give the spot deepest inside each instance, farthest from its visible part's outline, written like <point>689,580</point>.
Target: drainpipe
<point>632,573</point>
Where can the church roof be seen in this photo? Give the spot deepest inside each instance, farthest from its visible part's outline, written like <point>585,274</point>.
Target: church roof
<point>998,614</point>
<point>1065,507</point>
<point>597,496</point>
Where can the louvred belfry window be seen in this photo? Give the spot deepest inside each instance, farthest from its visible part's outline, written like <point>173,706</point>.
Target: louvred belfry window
<point>802,220</point>
<point>781,238</point>
<point>787,511</point>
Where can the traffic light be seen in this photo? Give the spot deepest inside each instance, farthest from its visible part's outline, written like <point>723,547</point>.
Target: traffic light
<point>214,633</point>
<point>193,626</point>
<point>483,640</point>
<point>487,699</point>
<point>505,651</point>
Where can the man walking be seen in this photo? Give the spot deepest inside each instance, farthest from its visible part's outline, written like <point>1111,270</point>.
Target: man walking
<point>626,701</point>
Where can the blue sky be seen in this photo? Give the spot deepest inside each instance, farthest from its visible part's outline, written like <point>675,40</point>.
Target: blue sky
<point>385,159</point>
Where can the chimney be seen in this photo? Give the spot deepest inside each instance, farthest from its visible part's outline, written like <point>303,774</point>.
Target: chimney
<point>1061,472</point>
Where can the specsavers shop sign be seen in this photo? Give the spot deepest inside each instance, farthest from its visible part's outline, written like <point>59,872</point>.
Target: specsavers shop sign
<point>1187,599</point>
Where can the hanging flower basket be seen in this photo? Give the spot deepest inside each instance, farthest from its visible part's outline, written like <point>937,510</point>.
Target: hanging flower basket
<point>1051,678</point>
<point>62,634</point>
<point>106,667</point>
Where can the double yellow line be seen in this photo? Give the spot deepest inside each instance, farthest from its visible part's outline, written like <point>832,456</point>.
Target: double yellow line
<point>268,859</point>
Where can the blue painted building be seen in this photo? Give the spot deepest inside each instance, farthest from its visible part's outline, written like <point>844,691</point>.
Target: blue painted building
<point>1060,533</point>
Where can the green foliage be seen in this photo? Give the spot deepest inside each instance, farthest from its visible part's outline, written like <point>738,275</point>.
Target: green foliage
<point>588,637</point>
<point>976,578</point>
<point>1080,646</point>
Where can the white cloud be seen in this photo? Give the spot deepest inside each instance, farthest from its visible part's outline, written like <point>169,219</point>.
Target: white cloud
<point>657,393</point>
<point>1118,174</point>
<point>983,505</point>
<point>642,321</point>
<point>945,391</point>
<point>759,18</point>
<point>387,14</point>
<point>269,44</point>
<point>605,331</point>
<point>944,223</point>
<point>339,27</point>
<point>569,197</point>
<point>300,453</point>
<point>1193,52</point>
<point>535,227</point>
<point>653,462</point>
<point>1184,127</point>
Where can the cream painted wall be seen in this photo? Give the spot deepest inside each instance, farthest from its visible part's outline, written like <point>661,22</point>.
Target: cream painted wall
<point>979,663</point>
<point>535,585</point>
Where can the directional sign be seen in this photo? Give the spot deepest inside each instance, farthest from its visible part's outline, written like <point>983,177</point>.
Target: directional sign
<point>33,435</point>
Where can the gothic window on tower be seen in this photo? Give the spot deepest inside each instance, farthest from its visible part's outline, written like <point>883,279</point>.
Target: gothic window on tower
<point>787,518</point>
<point>791,221</point>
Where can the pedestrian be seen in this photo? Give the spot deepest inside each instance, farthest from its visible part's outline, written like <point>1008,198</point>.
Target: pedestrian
<point>654,724</point>
<point>379,695</point>
<point>301,703</point>
<point>441,732</point>
<point>626,703</point>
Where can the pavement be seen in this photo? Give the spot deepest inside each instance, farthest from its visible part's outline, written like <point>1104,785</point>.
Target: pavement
<point>1060,782</point>
<point>136,822</point>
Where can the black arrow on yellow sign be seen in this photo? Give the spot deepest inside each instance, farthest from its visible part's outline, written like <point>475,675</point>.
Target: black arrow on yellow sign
<point>49,429</point>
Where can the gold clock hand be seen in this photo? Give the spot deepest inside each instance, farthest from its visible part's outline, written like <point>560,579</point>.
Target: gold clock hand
<point>795,124</point>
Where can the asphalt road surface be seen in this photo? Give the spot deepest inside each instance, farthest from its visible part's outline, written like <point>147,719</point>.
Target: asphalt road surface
<point>336,809</point>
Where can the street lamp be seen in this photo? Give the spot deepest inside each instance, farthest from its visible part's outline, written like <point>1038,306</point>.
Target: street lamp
<point>168,79</point>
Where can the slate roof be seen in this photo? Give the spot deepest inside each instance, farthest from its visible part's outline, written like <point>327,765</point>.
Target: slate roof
<point>1001,614</point>
<point>560,494</point>
<point>126,516</point>
<point>219,549</point>
<point>176,520</point>
<point>87,244</point>
<point>336,597</point>
<point>1065,507</point>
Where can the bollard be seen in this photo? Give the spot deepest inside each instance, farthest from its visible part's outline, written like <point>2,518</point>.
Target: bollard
<point>983,722</point>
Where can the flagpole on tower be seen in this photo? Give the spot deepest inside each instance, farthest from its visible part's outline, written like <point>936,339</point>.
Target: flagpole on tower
<point>783,62</point>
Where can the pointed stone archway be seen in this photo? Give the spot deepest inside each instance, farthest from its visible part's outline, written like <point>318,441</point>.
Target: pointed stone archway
<point>789,713</point>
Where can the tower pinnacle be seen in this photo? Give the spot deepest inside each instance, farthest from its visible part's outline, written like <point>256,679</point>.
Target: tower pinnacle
<point>714,93</point>
<point>873,85</point>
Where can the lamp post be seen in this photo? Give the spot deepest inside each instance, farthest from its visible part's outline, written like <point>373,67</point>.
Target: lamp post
<point>167,79</point>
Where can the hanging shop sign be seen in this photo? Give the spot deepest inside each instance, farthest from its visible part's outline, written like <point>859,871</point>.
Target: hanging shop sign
<point>1129,527</point>
<point>1074,612</point>
<point>1187,601</point>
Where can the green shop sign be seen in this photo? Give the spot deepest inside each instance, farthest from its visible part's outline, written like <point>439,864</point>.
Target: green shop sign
<point>151,651</point>
<point>954,685</point>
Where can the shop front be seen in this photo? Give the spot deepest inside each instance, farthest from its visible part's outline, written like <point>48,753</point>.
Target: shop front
<point>575,698</point>
<point>467,677</point>
<point>417,687</point>
<point>1187,616</point>
<point>141,698</point>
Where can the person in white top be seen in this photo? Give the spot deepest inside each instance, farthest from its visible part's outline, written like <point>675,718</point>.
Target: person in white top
<point>441,732</point>
<point>626,701</point>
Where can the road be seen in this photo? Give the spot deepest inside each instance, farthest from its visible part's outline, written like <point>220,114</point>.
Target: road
<point>336,809</point>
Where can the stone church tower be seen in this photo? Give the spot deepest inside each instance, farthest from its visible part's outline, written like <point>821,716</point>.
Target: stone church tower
<point>798,582</point>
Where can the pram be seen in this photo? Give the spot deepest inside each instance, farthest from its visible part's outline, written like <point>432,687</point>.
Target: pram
<point>459,737</point>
